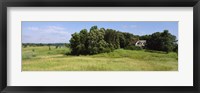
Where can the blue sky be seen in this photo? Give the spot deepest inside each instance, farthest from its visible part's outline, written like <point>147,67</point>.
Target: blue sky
<point>60,32</point>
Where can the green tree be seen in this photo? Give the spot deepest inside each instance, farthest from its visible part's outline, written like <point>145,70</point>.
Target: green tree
<point>112,37</point>
<point>96,43</point>
<point>176,48</point>
<point>106,40</point>
<point>91,42</point>
<point>161,41</point>
<point>122,40</point>
<point>75,44</point>
<point>83,41</point>
<point>128,38</point>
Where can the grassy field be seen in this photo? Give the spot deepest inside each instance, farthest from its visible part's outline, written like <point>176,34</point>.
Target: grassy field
<point>43,59</point>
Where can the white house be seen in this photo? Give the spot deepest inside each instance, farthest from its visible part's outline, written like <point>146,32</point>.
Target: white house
<point>140,43</point>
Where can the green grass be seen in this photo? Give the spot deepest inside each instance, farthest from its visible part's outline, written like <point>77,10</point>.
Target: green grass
<point>43,59</point>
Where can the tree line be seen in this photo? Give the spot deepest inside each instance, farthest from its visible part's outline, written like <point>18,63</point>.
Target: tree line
<point>57,45</point>
<point>161,41</point>
<point>104,40</point>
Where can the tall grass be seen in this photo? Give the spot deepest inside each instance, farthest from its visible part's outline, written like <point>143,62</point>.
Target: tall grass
<point>118,60</point>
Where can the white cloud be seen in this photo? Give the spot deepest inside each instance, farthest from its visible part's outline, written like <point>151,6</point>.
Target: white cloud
<point>48,29</point>
<point>56,27</point>
<point>48,34</point>
<point>53,30</point>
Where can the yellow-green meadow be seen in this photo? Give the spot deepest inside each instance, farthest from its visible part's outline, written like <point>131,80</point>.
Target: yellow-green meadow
<point>40,58</point>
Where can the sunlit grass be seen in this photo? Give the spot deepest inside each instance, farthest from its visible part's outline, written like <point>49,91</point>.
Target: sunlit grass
<point>43,59</point>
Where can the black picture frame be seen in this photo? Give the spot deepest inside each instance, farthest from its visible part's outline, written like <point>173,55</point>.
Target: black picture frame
<point>100,3</point>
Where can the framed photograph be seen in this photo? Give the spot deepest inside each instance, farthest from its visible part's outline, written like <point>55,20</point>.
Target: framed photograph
<point>80,46</point>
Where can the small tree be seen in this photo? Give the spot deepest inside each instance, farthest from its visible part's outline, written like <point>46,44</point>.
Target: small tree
<point>49,46</point>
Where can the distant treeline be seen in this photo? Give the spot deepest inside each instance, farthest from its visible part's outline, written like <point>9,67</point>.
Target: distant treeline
<point>103,40</point>
<point>45,44</point>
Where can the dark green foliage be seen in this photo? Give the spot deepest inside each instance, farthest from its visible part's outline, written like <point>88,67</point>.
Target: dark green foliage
<point>122,40</point>
<point>67,45</point>
<point>49,46</point>
<point>130,39</point>
<point>96,43</point>
<point>118,39</point>
<point>24,45</point>
<point>106,40</point>
<point>133,48</point>
<point>176,48</point>
<point>56,47</point>
<point>112,37</point>
<point>144,37</point>
<point>99,41</point>
<point>91,42</point>
<point>161,41</point>
<point>75,44</point>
